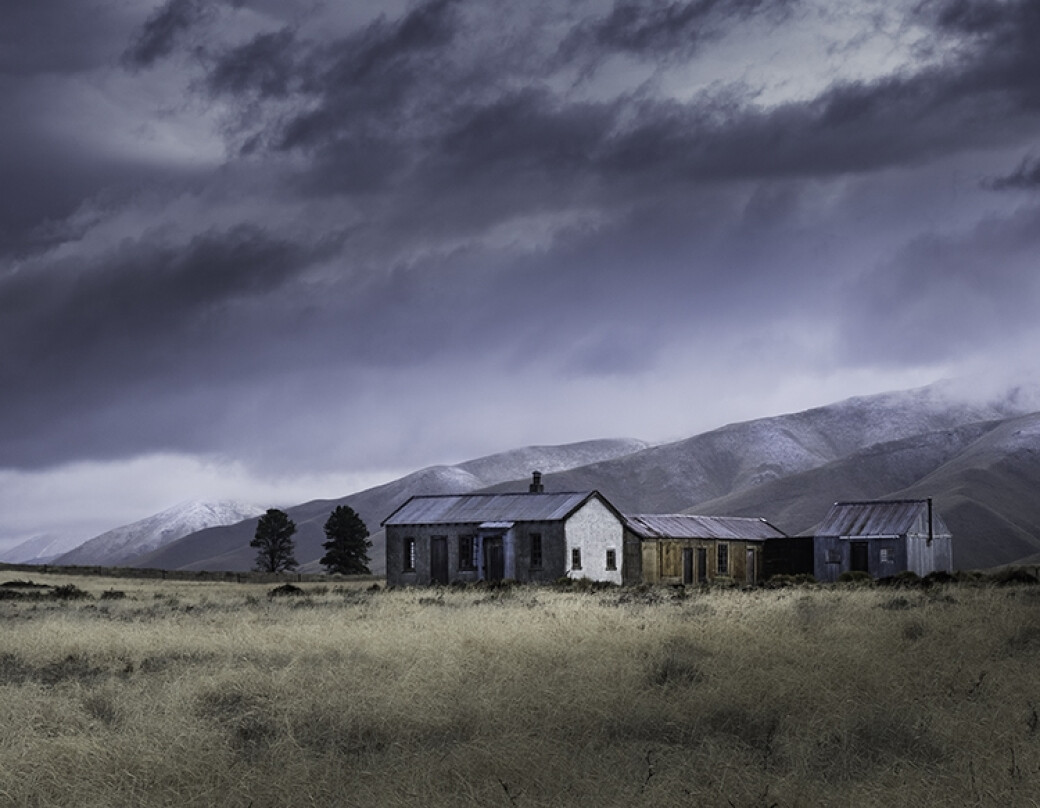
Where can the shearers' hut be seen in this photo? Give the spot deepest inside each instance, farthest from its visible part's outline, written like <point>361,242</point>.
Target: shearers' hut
<point>532,536</point>
<point>882,538</point>
<point>686,549</point>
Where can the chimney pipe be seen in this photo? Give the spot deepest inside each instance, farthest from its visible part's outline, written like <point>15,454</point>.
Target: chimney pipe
<point>536,483</point>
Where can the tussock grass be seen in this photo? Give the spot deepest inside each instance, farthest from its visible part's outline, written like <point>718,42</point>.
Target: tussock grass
<point>200,693</point>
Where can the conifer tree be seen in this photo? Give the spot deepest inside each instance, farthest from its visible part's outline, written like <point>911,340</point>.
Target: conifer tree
<point>346,545</point>
<point>274,542</point>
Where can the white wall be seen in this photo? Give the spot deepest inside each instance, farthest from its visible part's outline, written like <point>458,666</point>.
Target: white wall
<point>595,529</point>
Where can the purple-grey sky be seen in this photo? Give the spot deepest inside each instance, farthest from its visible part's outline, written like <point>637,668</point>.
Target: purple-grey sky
<point>282,249</point>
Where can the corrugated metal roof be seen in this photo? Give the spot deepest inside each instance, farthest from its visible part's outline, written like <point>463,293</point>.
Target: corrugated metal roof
<point>875,518</point>
<point>458,509</point>
<point>692,526</point>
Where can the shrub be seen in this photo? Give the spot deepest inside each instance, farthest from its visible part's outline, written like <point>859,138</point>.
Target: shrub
<point>936,577</point>
<point>905,579</point>
<point>1013,575</point>
<point>285,590</point>
<point>69,592</point>
<point>782,581</point>
<point>855,577</point>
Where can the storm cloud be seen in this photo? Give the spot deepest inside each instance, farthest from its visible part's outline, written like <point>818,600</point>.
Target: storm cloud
<point>312,241</point>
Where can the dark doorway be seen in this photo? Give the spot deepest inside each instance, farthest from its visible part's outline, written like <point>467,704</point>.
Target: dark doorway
<point>494,560</point>
<point>702,564</point>
<point>439,559</point>
<point>687,565</point>
<point>858,557</point>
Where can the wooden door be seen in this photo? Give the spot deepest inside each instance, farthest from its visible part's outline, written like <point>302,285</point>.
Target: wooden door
<point>439,560</point>
<point>702,564</point>
<point>494,560</point>
<point>687,565</point>
<point>858,557</point>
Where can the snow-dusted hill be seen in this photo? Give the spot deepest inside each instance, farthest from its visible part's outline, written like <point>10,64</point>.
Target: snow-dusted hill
<point>227,548</point>
<point>123,544</point>
<point>40,549</point>
<point>977,457</point>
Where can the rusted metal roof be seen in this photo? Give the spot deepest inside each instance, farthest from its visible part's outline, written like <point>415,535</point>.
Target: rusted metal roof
<point>879,518</point>
<point>459,509</point>
<point>691,526</point>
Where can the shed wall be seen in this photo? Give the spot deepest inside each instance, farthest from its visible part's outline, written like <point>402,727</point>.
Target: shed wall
<point>595,529</point>
<point>516,540</point>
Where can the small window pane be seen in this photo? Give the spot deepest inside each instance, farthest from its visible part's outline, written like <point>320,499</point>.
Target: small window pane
<point>536,550</point>
<point>575,558</point>
<point>467,552</point>
<point>611,559</point>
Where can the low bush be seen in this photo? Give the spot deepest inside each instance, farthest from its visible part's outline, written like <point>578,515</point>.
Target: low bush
<point>69,592</point>
<point>285,590</point>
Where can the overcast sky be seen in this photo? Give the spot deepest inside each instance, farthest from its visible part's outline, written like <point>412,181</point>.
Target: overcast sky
<point>283,249</point>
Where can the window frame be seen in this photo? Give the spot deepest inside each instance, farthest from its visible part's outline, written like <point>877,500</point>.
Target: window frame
<point>575,558</point>
<point>409,551</point>
<point>467,559</point>
<point>722,558</point>
<point>611,559</point>
<point>537,559</point>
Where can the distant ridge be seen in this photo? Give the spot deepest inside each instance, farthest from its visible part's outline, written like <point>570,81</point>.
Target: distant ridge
<point>39,549</point>
<point>227,548</point>
<point>978,459</point>
<point>122,545</point>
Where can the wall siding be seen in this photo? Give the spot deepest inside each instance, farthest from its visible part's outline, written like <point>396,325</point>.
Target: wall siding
<point>516,541</point>
<point>663,560</point>
<point>594,529</point>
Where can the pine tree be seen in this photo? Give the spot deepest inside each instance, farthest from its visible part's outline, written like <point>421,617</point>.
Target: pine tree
<point>274,541</point>
<point>346,545</point>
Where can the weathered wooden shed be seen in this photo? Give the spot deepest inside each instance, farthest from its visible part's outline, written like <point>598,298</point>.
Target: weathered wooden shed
<point>533,536</point>
<point>882,538</point>
<point>686,548</point>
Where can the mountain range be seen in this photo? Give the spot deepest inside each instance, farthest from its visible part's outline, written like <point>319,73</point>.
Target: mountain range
<point>979,460</point>
<point>121,546</point>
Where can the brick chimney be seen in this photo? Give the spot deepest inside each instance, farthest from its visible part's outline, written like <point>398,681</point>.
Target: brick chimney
<point>536,486</point>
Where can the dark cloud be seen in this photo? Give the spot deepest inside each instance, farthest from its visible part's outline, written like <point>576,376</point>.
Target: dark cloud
<point>660,29</point>
<point>57,36</point>
<point>148,315</point>
<point>1025,177</point>
<point>164,30</point>
<point>264,66</point>
<point>338,228</point>
<point>944,296</point>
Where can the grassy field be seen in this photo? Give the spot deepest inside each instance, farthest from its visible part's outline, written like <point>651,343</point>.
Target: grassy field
<point>181,694</point>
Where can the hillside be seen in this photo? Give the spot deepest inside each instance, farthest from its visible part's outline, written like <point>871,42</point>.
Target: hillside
<point>678,476</point>
<point>120,546</point>
<point>227,548</point>
<point>979,476</point>
<point>39,549</point>
<point>977,460</point>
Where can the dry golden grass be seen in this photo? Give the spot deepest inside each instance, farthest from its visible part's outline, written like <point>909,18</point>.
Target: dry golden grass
<point>204,694</point>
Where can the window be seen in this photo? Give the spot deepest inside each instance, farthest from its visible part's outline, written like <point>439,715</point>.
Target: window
<point>611,559</point>
<point>409,555</point>
<point>886,555</point>
<point>575,558</point>
<point>834,556</point>
<point>722,567</point>
<point>467,552</point>
<point>536,550</point>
